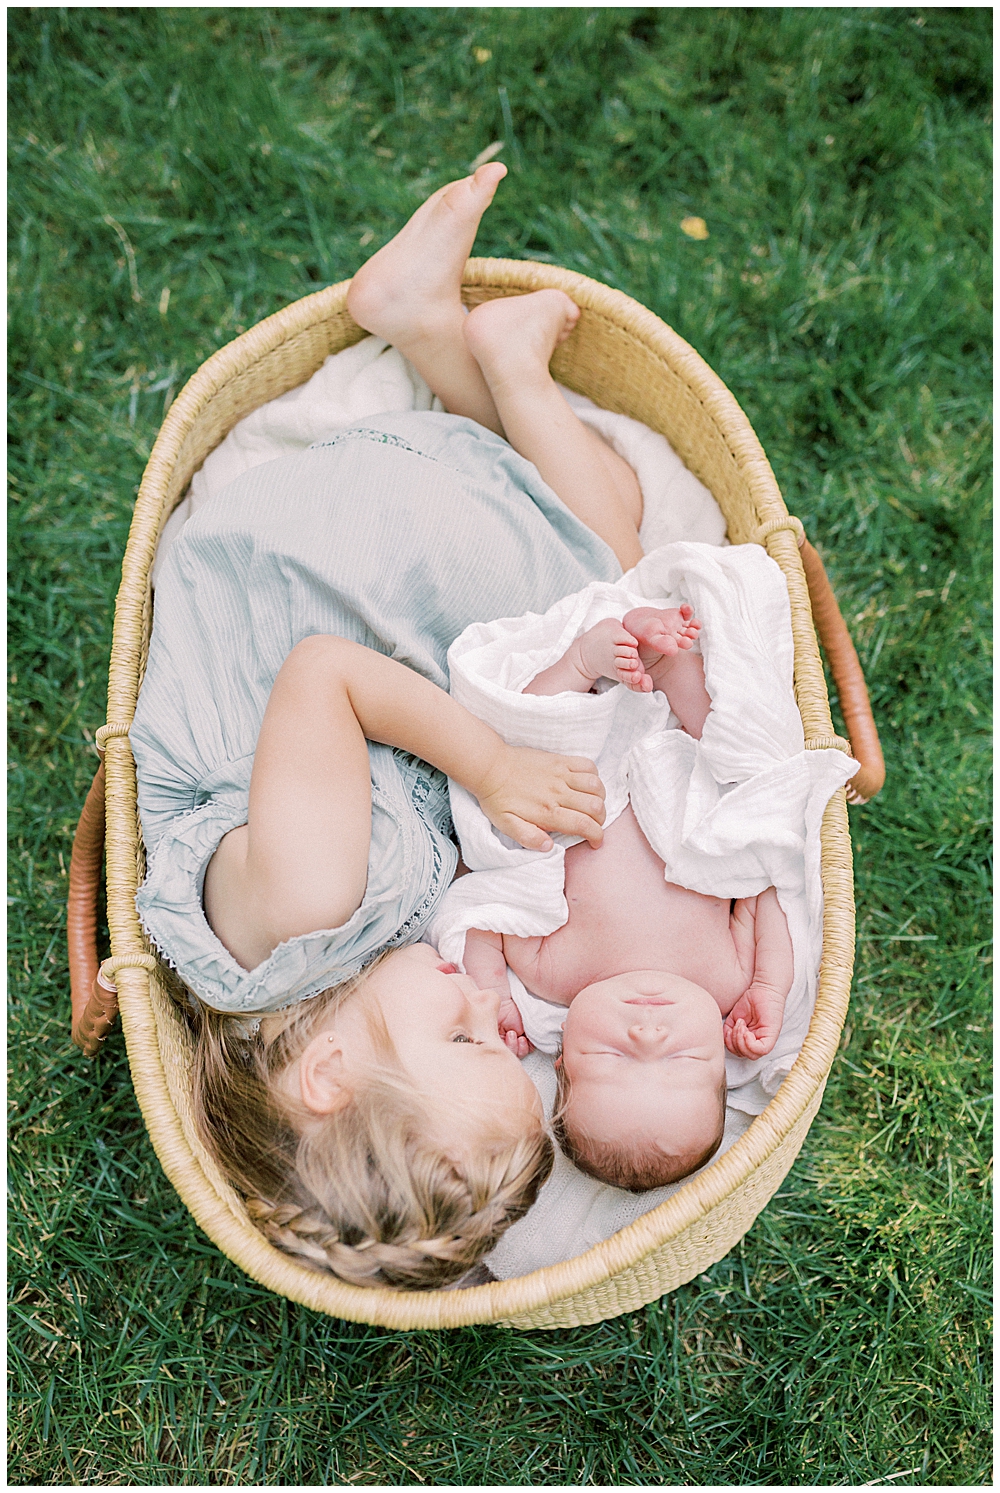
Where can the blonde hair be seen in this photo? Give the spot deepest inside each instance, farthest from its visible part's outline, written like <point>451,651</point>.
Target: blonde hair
<point>636,1166</point>
<point>362,1193</point>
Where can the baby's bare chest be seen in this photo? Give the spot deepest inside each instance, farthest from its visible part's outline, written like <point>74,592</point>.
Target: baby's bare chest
<point>624,916</point>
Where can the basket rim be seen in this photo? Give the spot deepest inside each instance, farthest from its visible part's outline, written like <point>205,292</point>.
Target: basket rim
<point>500,1300</point>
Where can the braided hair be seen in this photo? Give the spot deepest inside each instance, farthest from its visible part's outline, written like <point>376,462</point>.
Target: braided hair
<point>363,1193</point>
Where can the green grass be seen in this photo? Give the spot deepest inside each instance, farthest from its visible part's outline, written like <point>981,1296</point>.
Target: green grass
<point>245,157</point>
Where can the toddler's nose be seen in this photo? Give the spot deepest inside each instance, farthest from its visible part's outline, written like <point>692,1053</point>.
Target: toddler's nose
<point>490,999</point>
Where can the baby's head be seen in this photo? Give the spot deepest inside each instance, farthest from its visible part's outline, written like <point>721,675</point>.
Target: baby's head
<point>642,1080</point>
<point>383,1130</point>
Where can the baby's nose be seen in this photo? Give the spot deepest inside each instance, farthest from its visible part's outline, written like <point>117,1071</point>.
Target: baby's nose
<point>648,1036</point>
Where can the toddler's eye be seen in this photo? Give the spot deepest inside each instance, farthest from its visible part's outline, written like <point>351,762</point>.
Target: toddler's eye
<point>463,1037</point>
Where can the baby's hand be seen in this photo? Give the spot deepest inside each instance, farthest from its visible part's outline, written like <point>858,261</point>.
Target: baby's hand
<point>529,795</point>
<point>512,1029</point>
<point>752,1026</point>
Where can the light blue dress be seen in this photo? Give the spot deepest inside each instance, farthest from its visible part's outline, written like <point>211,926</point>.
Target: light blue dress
<point>397,534</point>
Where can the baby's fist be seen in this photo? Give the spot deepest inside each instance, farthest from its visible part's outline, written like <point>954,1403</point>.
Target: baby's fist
<point>511,1028</point>
<point>752,1026</point>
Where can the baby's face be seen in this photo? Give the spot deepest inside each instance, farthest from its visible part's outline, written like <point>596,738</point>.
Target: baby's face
<point>645,1059</point>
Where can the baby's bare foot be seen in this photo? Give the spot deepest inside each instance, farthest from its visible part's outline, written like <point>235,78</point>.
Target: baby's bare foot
<point>661,633</point>
<point>513,338</point>
<point>413,285</point>
<point>608,651</point>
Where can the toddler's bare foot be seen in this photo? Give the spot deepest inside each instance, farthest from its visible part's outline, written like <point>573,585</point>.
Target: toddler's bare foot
<point>411,289</point>
<point>513,338</point>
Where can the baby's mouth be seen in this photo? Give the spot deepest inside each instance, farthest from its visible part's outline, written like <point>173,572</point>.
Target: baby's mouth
<point>647,1000</point>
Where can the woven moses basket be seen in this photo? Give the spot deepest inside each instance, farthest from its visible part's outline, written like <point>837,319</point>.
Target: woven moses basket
<point>626,360</point>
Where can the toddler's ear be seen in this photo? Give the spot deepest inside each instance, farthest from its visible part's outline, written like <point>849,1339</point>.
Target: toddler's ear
<point>558,1063</point>
<point>323,1078</point>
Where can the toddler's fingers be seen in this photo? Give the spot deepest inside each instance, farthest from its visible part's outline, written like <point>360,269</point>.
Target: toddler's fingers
<point>589,782</point>
<point>584,803</point>
<point>527,835</point>
<point>571,822</point>
<point>581,764</point>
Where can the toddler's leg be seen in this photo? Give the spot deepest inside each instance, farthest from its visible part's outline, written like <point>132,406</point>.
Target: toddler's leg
<point>410,293</point>
<point>513,339</point>
<point>664,637</point>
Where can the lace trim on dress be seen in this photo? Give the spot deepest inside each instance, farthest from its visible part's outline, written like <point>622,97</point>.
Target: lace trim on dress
<point>366,433</point>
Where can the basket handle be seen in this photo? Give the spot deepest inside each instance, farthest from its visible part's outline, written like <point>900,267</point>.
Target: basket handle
<point>95,1001</point>
<point>845,666</point>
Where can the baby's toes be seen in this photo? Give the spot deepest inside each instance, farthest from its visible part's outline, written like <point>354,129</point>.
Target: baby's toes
<point>629,669</point>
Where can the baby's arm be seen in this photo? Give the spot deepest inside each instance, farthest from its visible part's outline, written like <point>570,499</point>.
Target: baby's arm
<point>484,961</point>
<point>764,948</point>
<point>300,863</point>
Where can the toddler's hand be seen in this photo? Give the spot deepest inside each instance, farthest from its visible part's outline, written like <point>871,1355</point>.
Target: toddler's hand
<point>512,1029</point>
<point>529,795</point>
<point>752,1026</point>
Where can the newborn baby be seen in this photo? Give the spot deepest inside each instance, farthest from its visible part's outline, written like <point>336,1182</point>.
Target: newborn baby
<point>647,969</point>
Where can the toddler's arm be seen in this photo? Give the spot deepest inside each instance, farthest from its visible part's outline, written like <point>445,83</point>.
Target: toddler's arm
<point>764,946</point>
<point>300,863</point>
<point>484,961</point>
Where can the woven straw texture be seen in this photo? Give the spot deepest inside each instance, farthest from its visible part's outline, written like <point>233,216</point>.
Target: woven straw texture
<point>627,360</point>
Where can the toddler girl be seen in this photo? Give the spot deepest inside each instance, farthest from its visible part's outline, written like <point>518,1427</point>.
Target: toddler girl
<point>292,737</point>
